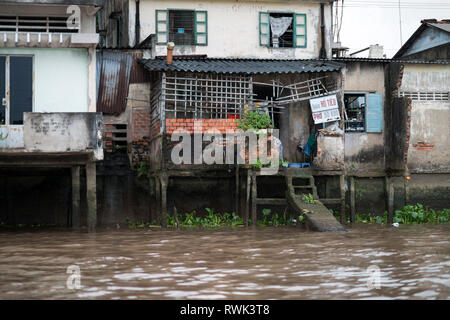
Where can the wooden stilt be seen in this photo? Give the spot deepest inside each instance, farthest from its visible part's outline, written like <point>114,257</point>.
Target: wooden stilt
<point>254,196</point>
<point>352,200</point>
<point>247,199</point>
<point>91,196</point>
<point>342,187</point>
<point>76,218</point>
<point>164,184</point>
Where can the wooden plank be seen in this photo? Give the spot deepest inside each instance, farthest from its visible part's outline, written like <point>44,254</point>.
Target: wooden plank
<point>330,201</point>
<point>271,201</point>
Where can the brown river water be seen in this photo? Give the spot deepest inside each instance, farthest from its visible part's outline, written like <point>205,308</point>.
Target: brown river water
<point>262,263</point>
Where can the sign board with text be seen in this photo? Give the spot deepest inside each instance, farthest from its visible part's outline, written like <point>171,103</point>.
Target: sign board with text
<point>325,109</point>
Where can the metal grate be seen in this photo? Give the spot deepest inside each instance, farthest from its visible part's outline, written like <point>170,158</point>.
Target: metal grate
<point>181,27</point>
<point>206,96</point>
<point>35,24</point>
<point>425,96</point>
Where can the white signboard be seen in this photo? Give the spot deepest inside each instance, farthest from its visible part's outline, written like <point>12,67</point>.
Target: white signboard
<point>325,109</point>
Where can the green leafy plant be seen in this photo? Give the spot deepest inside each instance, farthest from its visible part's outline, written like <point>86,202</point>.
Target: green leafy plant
<point>143,169</point>
<point>420,214</point>
<point>308,198</point>
<point>255,120</point>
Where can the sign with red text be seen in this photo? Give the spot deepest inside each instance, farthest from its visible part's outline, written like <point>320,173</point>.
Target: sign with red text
<point>325,109</point>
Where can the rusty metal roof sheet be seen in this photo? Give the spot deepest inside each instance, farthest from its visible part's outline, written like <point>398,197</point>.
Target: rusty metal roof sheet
<point>241,66</point>
<point>113,70</point>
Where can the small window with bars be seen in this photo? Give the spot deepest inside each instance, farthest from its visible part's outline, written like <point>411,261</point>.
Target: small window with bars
<point>35,24</point>
<point>183,27</point>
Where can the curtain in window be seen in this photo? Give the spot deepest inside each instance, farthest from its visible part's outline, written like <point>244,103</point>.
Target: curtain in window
<point>279,27</point>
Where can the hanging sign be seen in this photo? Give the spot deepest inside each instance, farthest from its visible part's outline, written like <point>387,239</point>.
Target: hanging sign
<point>325,109</point>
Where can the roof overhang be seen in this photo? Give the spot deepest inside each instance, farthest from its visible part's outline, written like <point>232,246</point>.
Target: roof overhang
<point>241,66</point>
<point>414,36</point>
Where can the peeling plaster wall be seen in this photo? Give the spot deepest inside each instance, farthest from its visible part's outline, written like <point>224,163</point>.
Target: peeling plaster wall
<point>430,120</point>
<point>233,28</point>
<point>63,132</point>
<point>365,151</point>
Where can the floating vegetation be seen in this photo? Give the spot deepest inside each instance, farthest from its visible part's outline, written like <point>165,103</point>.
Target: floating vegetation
<point>214,220</point>
<point>412,214</point>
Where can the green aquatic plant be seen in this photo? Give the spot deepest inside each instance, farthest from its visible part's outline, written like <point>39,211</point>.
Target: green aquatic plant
<point>213,220</point>
<point>411,214</point>
<point>420,214</point>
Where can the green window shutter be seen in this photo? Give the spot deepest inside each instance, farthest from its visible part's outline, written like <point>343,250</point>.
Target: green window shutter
<point>201,28</point>
<point>374,113</point>
<point>162,26</point>
<point>264,29</point>
<point>300,30</point>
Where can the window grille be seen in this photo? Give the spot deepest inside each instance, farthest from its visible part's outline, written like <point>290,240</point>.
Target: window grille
<point>425,96</point>
<point>35,24</point>
<point>181,27</point>
<point>206,96</point>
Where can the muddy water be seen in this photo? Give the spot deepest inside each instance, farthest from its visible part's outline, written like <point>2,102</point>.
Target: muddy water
<point>266,263</point>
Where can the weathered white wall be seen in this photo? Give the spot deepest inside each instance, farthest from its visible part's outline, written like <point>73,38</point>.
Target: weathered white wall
<point>60,79</point>
<point>233,28</point>
<point>364,151</point>
<point>430,120</point>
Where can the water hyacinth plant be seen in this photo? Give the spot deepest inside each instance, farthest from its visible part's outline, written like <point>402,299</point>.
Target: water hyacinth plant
<point>412,214</point>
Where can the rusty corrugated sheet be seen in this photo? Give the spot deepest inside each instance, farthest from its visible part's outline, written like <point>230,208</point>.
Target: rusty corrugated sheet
<point>116,70</point>
<point>138,73</point>
<point>113,82</point>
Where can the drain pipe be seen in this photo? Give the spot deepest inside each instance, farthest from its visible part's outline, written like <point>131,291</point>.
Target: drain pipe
<point>137,27</point>
<point>323,53</point>
<point>170,47</point>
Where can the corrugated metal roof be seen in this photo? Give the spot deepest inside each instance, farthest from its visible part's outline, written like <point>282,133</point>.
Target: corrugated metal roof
<point>113,68</point>
<point>240,66</point>
<point>443,26</point>
<point>385,60</point>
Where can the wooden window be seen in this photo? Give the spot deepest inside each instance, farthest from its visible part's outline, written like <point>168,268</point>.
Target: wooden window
<point>183,27</point>
<point>293,37</point>
<point>364,112</point>
<point>374,113</point>
<point>300,39</point>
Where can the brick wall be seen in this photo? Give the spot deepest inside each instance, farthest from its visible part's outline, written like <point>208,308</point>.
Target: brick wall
<point>141,123</point>
<point>188,124</point>
<point>140,135</point>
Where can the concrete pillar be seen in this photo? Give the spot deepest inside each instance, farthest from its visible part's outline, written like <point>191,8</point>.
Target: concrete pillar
<point>157,199</point>
<point>352,200</point>
<point>236,200</point>
<point>164,184</point>
<point>342,188</point>
<point>76,217</point>
<point>247,198</point>
<point>254,196</point>
<point>91,196</point>
<point>389,189</point>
